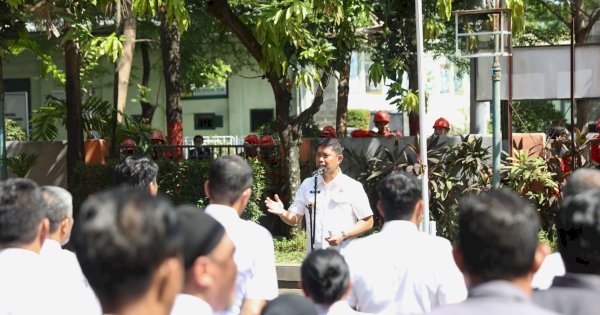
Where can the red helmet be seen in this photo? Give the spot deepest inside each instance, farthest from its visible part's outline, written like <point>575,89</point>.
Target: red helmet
<point>266,139</point>
<point>157,136</point>
<point>360,133</point>
<point>381,115</point>
<point>251,139</point>
<point>441,122</point>
<point>328,132</point>
<point>128,143</point>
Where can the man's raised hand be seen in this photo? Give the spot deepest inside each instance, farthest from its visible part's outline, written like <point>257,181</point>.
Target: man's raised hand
<point>275,206</point>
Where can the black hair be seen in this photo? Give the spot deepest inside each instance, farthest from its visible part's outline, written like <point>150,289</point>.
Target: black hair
<point>556,132</point>
<point>325,276</point>
<point>228,177</point>
<point>399,192</point>
<point>199,137</point>
<point>580,180</point>
<point>20,211</point>
<point>136,171</point>
<point>497,235</point>
<point>578,227</point>
<point>334,143</point>
<point>121,237</point>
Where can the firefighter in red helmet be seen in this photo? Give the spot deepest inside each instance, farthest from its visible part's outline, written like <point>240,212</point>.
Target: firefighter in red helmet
<point>128,147</point>
<point>441,127</point>
<point>382,122</point>
<point>328,132</point>
<point>596,147</point>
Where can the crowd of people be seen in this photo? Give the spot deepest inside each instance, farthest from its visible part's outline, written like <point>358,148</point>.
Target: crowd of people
<point>134,252</point>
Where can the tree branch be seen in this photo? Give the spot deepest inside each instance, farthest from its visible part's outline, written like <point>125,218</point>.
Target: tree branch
<point>305,116</point>
<point>554,11</point>
<point>594,18</point>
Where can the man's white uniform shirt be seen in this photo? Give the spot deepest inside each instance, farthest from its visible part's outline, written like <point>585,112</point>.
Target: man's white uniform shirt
<point>186,304</point>
<point>403,271</point>
<point>25,287</point>
<point>340,307</point>
<point>63,267</point>
<point>340,204</point>
<point>552,266</point>
<point>254,256</point>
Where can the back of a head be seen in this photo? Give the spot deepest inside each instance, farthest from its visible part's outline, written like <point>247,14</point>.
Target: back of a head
<point>121,237</point>
<point>334,143</point>
<point>497,235</point>
<point>201,232</point>
<point>228,177</point>
<point>20,211</point>
<point>58,203</point>
<point>289,304</point>
<point>136,171</point>
<point>578,227</point>
<point>399,192</point>
<point>580,180</point>
<point>325,276</point>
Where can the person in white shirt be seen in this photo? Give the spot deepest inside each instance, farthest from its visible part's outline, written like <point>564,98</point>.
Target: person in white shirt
<point>401,270</point>
<point>326,282</point>
<point>24,289</point>
<point>342,206</point>
<point>61,263</point>
<point>208,259</point>
<point>130,246</point>
<point>229,188</point>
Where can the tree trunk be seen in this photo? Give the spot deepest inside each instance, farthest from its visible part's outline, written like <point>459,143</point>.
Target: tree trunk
<point>147,108</point>
<point>169,43</point>
<point>342,102</point>
<point>413,84</point>
<point>583,26</point>
<point>74,120</point>
<point>3,168</point>
<point>124,64</point>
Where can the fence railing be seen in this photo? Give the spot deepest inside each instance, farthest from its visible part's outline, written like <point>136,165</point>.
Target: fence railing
<point>205,152</point>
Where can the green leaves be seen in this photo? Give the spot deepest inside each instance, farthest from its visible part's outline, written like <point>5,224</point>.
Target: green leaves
<point>518,16</point>
<point>444,9</point>
<point>175,9</point>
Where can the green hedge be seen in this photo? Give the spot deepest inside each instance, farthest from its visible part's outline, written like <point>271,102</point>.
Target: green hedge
<point>183,182</point>
<point>359,118</point>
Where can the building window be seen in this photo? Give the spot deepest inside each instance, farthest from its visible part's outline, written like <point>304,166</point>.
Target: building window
<point>207,121</point>
<point>259,117</point>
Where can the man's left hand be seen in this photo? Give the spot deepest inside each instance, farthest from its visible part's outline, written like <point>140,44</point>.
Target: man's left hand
<point>335,240</point>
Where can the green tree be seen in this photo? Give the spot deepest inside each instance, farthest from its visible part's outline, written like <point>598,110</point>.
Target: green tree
<point>535,116</point>
<point>291,42</point>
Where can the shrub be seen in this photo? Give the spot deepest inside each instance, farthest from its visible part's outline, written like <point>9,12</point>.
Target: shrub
<point>182,181</point>
<point>13,131</point>
<point>358,118</point>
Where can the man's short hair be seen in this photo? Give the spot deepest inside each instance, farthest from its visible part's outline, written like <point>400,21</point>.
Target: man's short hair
<point>580,180</point>
<point>325,276</point>
<point>198,137</point>
<point>20,211</point>
<point>497,235</point>
<point>578,227</point>
<point>58,203</point>
<point>202,233</point>
<point>122,235</point>
<point>399,192</point>
<point>136,171</point>
<point>334,143</point>
<point>228,177</point>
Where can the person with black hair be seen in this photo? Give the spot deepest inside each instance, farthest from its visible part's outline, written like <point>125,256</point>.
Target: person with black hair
<point>24,286</point>
<point>326,281</point>
<point>581,180</point>
<point>199,152</point>
<point>209,268</point>
<point>498,252</point>
<point>229,187</point>
<point>289,304</point>
<point>401,270</point>
<point>138,172</point>
<point>578,225</point>
<point>342,207</point>
<point>129,245</point>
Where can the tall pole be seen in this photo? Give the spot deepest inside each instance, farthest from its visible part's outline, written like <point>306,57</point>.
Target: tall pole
<point>3,168</point>
<point>573,165</point>
<point>497,135</point>
<point>423,140</point>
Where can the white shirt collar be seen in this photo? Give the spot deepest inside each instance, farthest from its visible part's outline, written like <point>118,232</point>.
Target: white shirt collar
<point>395,226</point>
<point>190,304</point>
<point>51,245</point>
<point>17,252</point>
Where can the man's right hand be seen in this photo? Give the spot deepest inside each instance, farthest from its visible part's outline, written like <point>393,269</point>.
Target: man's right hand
<point>274,206</point>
